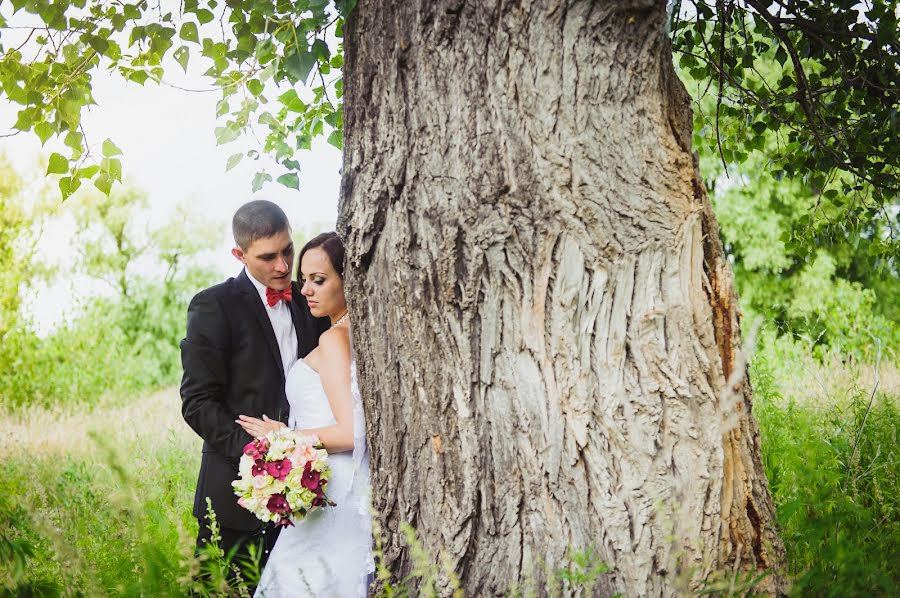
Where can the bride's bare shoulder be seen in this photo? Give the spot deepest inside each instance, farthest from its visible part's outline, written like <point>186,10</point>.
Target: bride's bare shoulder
<point>335,340</point>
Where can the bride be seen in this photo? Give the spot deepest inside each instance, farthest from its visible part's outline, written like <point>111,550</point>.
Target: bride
<point>330,552</point>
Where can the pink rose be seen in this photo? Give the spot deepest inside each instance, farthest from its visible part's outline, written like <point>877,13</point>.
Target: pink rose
<point>309,453</point>
<point>259,482</point>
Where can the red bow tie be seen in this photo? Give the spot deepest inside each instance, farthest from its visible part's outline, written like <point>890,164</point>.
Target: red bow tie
<point>273,296</point>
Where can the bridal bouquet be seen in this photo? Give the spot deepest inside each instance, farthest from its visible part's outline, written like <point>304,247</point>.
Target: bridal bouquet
<point>283,477</point>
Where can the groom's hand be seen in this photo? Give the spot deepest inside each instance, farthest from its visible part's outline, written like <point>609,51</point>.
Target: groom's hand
<point>258,427</point>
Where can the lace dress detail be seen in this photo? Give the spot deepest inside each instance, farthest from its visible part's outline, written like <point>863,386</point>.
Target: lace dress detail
<point>328,554</point>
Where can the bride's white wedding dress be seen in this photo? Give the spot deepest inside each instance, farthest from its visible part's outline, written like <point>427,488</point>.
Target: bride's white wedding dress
<point>328,554</point>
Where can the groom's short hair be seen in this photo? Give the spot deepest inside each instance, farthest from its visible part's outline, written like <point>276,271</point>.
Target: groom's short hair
<point>257,219</point>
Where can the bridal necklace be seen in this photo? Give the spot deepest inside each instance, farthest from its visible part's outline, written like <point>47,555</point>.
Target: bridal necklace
<point>342,319</point>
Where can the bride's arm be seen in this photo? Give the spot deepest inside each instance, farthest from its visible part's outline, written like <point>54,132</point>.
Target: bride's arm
<point>334,370</point>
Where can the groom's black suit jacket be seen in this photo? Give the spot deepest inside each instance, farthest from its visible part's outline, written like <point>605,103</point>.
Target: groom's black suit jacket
<point>232,366</point>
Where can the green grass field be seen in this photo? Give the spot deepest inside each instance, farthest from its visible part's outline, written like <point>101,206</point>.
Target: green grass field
<point>99,503</point>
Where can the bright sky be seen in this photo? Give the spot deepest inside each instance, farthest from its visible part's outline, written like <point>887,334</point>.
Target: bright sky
<point>170,151</point>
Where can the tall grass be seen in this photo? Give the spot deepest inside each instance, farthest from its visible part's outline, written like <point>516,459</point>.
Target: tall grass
<point>102,498</point>
<point>98,503</point>
<point>829,442</point>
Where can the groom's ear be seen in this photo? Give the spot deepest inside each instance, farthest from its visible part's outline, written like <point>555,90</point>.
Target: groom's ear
<point>238,253</point>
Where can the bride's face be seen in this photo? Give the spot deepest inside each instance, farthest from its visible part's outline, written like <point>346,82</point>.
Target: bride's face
<point>322,286</point>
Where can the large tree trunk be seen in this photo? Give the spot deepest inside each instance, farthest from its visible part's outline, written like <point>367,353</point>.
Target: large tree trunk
<point>545,324</point>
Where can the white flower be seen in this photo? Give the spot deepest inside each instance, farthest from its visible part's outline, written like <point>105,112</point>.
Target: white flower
<point>246,466</point>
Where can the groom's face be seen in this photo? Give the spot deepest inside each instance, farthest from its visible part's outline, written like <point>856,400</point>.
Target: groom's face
<point>269,260</point>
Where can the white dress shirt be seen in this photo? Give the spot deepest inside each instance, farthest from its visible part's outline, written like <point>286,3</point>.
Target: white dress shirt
<point>282,324</point>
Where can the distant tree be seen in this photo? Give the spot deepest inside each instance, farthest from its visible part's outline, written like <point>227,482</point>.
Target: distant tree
<point>798,261</point>
<point>16,247</point>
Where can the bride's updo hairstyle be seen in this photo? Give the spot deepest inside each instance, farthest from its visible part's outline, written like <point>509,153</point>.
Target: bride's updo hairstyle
<point>332,245</point>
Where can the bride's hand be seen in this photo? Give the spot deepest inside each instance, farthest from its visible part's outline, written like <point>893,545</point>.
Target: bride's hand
<point>258,427</point>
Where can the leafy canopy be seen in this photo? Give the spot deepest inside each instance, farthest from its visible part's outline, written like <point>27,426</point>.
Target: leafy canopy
<point>832,96</point>
<point>815,85</point>
<point>250,48</point>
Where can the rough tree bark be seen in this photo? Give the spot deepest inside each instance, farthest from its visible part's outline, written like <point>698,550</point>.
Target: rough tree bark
<point>545,323</point>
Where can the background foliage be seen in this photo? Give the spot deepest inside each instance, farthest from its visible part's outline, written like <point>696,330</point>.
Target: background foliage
<point>120,343</point>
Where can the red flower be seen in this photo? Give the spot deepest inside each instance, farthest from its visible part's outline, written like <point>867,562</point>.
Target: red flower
<point>278,504</point>
<point>279,469</point>
<point>257,449</point>
<point>310,478</point>
<point>259,467</point>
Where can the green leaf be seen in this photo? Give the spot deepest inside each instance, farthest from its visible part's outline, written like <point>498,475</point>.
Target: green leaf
<point>73,140</point>
<point>320,49</point>
<point>113,168</point>
<point>781,55</point>
<point>59,164</point>
<point>297,66</point>
<point>255,86</point>
<point>336,138</point>
<point>68,186</point>
<point>226,134</point>
<point>103,183</point>
<point>43,130</point>
<point>222,107</point>
<point>345,6</point>
<point>189,32</point>
<point>291,101</point>
<point>260,179</point>
<point>182,56</point>
<point>139,77</point>
<point>290,180</point>
<point>204,16</point>
<point>110,149</point>
<point>265,51</point>
<point>99,44</point>
<point>131,12</point>
<point>88,172</point>
<point>233,161</point>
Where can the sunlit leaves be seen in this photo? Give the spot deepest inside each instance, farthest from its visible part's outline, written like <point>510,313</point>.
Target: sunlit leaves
<point>244,48</point>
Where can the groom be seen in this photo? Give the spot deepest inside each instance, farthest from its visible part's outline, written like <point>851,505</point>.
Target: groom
<point>242,337</point>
